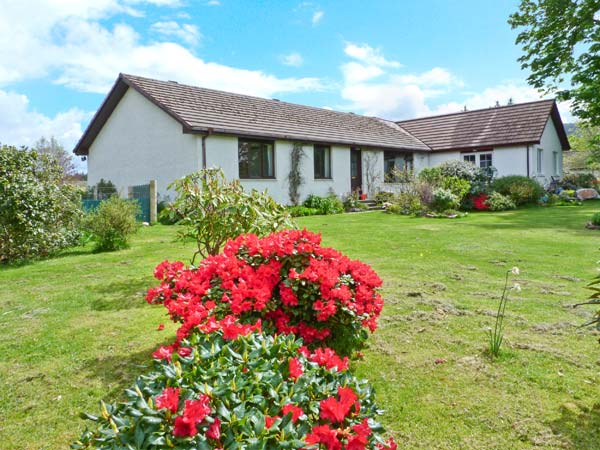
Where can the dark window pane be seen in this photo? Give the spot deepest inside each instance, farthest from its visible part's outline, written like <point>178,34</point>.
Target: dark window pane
<point>256,159</point>
<point>322,161</point>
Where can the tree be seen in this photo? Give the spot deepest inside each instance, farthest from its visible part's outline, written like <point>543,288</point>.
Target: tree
<point>586,139</point>
<point>39,215</point>
<point>561,44</point>
<point>57,152</point>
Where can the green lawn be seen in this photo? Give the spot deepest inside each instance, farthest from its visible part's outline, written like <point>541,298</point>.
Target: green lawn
<point>76,329</point>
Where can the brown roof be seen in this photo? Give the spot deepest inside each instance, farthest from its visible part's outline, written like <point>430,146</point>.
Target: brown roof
<point>201,110</point>
<point>492,127</point>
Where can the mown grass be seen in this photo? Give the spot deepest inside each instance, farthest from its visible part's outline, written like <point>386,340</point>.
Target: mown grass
<point>76,329</point>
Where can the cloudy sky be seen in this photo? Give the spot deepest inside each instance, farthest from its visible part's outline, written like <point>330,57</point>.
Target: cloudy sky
<point>393,59</point>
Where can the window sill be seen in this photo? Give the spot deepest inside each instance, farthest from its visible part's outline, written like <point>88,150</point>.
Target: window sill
<point>322,179</point>
<point>258,179</point>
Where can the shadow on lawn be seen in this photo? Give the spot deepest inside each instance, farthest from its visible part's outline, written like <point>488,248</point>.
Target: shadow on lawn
<point>120,295</point>
<point>580,426</point>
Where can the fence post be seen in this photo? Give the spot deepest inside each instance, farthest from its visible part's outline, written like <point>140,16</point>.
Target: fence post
<point>153,200</point>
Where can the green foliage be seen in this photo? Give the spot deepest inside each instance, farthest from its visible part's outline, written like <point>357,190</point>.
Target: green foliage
<point>55,151</point>
<point>498,202</point>
<point>39,215</point>
<point>112,224</point>
<point>102,190</point>
<point>352,202</point>
<point>496,335</point>
<point>560,42</point>
<point>596,219</point>
<point>164,217</point>
<point>406,203</point>
<point>574,181</point>
<point>431,175</point>
<point>295,179</point>
<point>479,178</point>
<point>213,210</point>
<point>444,199</point>
<point>247,383</point>
<point>384,197</point>
<point>325,205</point>
<point>521,190</point>
<point>460,187</point>
<point>301,211</point>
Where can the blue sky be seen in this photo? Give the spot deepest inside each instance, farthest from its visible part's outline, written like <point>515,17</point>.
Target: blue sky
<point>393,59</point>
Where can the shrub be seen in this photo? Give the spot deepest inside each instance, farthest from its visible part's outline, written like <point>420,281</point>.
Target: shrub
<point>112,224</point>
<point>431,175</point>
<point>567,193</point>
<point>479,178</point>
<point>162,209</point>
<point>578,180</point>
<point>480,202</point>
<point>443,199</point>
<point>39,215</point>
<point>102,190</point>
<point>458,186</point>
<point>384,197</point>
<point>520,189</point>
<point>300,211</point>
<point>325,205</point>
<point>406,203</point>
<point>245,391</point>
<point>499,202</point>
<point>352,202</point>
<point>213,210</point>
<point>596,219</point>
<point>286,280</point>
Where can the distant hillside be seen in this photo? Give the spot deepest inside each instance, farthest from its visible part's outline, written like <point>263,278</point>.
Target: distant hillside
<point>570,128</point>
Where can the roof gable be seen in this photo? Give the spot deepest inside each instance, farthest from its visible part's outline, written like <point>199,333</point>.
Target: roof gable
<point>522,123</point>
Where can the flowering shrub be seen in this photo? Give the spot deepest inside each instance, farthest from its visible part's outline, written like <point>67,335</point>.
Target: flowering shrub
<point>285,282</point>
<point>479,202</point>
<point>499,202</point>
<point>253,391</point>
<point>443,199</point>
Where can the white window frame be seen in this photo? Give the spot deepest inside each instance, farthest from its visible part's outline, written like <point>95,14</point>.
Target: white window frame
<point>470,156</point>
<point>477,156</point>
<point>491,155</point>
<point>540,160</point>
<point>555,163</point>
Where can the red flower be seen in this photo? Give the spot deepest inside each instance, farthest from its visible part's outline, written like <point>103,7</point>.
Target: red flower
<point>295,369</point>
<point>184,351</point>
<point>169,399</point>
<point>479,202</point>
<point>182,428</point>
<point>336,411</point>
<point>161,327</point>
<point>163,352</point>
<point>214,430</point>
<point>269,421</point>
<point>329,359</point>
<point>194,412</point>
<point>294,410</point>
<point>324,435</point>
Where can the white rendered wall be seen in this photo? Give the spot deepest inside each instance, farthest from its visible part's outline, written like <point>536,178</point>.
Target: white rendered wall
<point>222,151</point>
<point>511,160</point>
<point>373,165</point>
<point>138,143</point>
<point>549,143</point>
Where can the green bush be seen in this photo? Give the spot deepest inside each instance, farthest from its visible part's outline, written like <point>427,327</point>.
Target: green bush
<point>431,175</point>
<point>352,202</point>
<point>384,197</point>
<point>39,214</point>
<point>406,203</point>
<point>478,178</point>
<point>444,199</point>
<point>244,392</point>
<point>596,219</point>
<point>212,210</point>
<point>498,202</point>
<point>325,205</point>
<point>301,211</point>
<point>111,225</point>
<point>460,187</point>
<point>578,180</point>
<point>520,189</point>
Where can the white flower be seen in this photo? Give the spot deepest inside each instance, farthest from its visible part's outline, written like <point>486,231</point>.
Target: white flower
<point>515,271</point>
<point>517,287</point>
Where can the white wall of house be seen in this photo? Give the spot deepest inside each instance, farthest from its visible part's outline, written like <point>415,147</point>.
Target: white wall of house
<point>222,151</point>
<point>139,143</point>
<point>549,146</point>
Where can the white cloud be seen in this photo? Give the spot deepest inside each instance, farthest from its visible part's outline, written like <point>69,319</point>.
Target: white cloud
<point>213,3</point>
<point>368,55</point>
<point>293,59</point>
<point>355,73</point>
<point>187,33</point>
<point>317,16</point>
<point>20,125</point>
<point>66,42</point>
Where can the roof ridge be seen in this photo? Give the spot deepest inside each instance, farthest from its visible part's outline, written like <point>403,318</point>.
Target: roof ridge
<point>395,126</point>
<point>491,108</point>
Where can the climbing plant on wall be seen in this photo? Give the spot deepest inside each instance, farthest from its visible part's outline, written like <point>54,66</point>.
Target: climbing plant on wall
<point>295,177</point>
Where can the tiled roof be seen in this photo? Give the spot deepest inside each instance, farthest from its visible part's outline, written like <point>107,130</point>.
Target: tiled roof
<point>501,126</point>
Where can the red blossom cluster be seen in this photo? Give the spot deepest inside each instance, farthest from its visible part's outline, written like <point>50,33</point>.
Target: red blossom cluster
<point>286,280</point>
<point>479,202</point>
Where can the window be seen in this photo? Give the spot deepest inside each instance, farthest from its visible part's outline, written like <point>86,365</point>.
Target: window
<point>256,159</point>
<point>555,162</point>
<point>485,160</point>
<point>322,160</point>
<point>394,163</point>
<point>540,154</point>
<point>470,158</point>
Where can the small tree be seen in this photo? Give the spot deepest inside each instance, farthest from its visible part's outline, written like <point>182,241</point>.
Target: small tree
<point>213,210</point>
<point>56,152</point>
<point>39,215</point>
<point>112,224</point>
<point>372,172</point>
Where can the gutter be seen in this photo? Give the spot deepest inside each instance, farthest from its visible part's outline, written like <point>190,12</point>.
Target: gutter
<point>527,160</point>
<point>204,136</point>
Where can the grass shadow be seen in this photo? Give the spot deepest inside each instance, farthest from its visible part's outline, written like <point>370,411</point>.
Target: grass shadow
<point>580,425</point>
<point>121,295</point>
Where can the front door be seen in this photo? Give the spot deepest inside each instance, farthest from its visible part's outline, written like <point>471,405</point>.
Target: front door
<point>356,171</point>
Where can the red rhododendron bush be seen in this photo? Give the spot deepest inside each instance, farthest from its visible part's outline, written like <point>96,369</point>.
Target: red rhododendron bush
<point>252,366</point>
<point>285,282</point>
